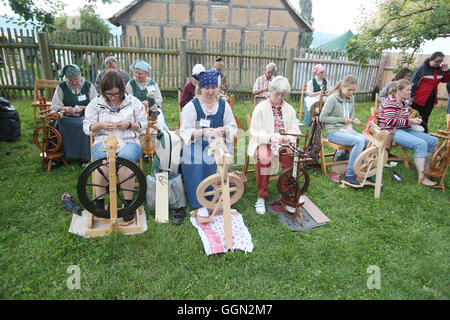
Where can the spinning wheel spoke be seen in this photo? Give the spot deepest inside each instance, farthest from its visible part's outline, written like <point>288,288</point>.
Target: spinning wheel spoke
<point>100,170</point>
<point>95,185</point>
<point>99,196</point>
<point>129,177</point>
<point>131,190</point>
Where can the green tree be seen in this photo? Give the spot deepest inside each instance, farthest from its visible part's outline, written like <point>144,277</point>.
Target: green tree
<point>399,24</point>
<point>89,23</point>
<point>40,14</point>
<point>306,13</point>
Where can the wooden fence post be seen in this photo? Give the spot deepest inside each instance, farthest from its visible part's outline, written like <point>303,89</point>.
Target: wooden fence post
<point>45,55</point>
<point>290,66</point>
<point>183,63</point>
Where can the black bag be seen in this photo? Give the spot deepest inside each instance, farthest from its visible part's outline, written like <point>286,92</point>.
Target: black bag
<point>9,122</point>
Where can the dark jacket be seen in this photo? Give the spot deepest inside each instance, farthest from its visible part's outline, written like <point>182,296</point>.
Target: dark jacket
<point>425,81</point>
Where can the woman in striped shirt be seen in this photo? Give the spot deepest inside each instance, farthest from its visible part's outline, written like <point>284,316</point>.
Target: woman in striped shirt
<point>394,113</point>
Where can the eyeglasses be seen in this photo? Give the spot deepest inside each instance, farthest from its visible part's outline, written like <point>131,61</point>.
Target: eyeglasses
<point>110,95</point>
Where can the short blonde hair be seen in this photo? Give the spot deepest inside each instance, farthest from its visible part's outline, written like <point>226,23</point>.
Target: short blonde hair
<point>280,84</point>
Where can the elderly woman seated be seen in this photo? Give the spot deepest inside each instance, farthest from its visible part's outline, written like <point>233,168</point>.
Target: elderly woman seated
<point>270,118</point>
<point>203,119</point>
<point>144,88</point>
<point>71,98</point>
<point>314,89</point>
<point>261,85</point>
<point>189,90</point>
<point>115,113</point>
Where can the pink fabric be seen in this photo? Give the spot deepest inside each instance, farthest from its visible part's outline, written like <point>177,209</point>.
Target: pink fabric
<point>318,68</point>
<point>213,235</point>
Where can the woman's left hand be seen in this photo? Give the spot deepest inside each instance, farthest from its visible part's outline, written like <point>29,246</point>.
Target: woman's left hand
<point>356,121</point>
<point>122,125</point>
<point>444,67</point>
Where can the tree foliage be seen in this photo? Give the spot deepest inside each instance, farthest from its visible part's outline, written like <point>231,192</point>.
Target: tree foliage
<point>306,12</point>
<point>399,24</point>
<point>40,14</point>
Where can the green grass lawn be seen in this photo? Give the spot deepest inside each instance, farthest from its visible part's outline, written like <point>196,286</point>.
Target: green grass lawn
<point>405,233</point>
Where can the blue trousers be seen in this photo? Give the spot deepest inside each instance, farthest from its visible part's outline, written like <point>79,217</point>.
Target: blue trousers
<point>420,142</point>
<point>131,151</point>
<point>357,140</point>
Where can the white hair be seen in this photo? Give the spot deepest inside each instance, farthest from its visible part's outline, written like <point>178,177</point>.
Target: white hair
<point>271,67</point>
<point>110,60</point>
<point>280,84</point>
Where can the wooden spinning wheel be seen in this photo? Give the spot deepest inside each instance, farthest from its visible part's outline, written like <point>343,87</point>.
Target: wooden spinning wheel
<point>220,190</point>
<point>371,161</point>
<point>290,187</point>
<point>212,187</point>
<point>46,138</point>
<point>148,140</point>
<point>113,191</point>
<point>365,163</point>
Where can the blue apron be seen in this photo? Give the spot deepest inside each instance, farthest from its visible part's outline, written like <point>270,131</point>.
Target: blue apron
<point>196,164</point>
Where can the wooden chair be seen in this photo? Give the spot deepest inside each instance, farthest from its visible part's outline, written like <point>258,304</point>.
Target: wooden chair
<point>230,101</point>
<point>300,112</point>
<point>39,85</point>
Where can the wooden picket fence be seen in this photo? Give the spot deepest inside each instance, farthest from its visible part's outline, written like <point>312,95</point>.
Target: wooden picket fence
<point>26,55</point>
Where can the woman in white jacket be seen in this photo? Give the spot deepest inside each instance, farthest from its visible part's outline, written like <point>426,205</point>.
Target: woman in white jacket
<point>270,118</point>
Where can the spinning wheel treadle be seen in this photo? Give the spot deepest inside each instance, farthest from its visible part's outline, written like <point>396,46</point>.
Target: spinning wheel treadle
<point>85,183</point>
<point>214,181</point>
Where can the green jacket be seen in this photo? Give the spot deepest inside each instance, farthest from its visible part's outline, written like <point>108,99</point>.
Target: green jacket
<point>332,114</point>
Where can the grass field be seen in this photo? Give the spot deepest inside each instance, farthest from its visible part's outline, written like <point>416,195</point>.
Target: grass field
<point>405,233</point>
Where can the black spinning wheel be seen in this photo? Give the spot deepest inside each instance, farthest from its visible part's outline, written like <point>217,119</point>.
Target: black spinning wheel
<point>292,188</point>
<point>85,185</point>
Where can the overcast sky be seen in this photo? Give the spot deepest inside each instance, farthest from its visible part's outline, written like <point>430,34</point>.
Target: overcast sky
<point>330,16</point>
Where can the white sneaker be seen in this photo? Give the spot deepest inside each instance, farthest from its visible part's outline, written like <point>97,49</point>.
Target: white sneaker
<point>203,212</point>
<point>260,206</point>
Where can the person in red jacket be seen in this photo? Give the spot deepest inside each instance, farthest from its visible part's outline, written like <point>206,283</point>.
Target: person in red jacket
<point>425,85</point>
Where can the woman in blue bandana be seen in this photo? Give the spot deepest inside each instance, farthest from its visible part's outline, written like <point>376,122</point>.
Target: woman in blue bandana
<point>71,98</point>
<point>203,119</point>
<point>142,87</point>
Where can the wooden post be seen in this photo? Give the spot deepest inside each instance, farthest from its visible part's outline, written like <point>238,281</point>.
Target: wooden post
<point>183,63</point>
<point>290,66</point>
<point>45,55</point>
<point>381,65</point>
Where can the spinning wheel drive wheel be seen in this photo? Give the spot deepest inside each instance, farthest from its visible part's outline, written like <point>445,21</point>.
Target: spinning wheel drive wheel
<point>289,187</point>
<point>47,139</point>
<point>367,161</point>
<point>211,187</point>
<point>440,159</point>
<point>85,184</point>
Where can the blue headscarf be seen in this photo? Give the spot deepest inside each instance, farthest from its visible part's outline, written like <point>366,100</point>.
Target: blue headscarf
<point>140,64</point>
<point>208,78</point>
<point>70,71</point>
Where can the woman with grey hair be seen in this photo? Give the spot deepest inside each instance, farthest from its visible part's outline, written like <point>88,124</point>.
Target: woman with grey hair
<point>111,64</point>
<point>270,118</point>
<point>261,86</point>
